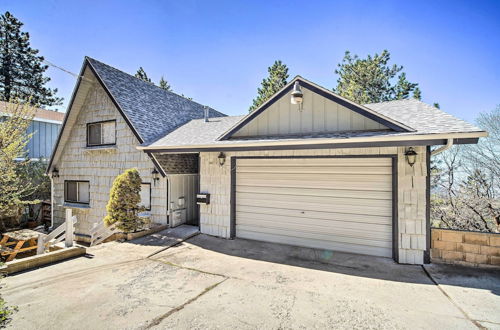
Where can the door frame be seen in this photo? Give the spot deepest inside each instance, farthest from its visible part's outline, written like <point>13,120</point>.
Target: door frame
<point>394,162</point>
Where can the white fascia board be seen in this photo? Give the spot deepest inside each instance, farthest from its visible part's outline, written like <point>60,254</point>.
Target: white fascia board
<point>313,141</point>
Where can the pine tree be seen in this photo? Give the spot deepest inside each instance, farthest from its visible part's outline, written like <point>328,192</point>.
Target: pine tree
<point>124,198</point>
<point>277,79</point>
<point>371,80</point>
<point>141,74</point>
<point>417,94</point>
<point>21,69</point>
<point>165,85</point>
<point>436,105</point>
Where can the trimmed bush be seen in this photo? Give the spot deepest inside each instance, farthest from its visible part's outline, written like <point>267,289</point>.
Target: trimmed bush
<point>123,206</point>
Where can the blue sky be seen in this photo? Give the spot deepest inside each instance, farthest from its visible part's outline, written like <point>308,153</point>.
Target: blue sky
<point>218,51</point>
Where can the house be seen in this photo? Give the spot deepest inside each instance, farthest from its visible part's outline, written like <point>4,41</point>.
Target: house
<point>44,127</point>
<point>307,168</point>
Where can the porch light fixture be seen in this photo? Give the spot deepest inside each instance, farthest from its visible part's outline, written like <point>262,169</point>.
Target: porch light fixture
<point>156,175</point>
<point>297,95</point>
<point>221,158</point>
<point>55,173</point>
<point>411,156</point>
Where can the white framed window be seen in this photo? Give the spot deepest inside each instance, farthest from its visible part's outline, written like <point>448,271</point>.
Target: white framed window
<point>146,195</point>
<point>77,191</point>
<point>101,133</point>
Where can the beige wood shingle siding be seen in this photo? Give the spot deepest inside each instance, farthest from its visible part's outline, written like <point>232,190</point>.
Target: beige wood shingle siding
<point>216,180</point>
<point>336,222</point>
<point>318,115</point>
<point>100,167</point>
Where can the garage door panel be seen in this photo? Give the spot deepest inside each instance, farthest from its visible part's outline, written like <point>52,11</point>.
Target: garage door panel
<point>301,162</point>
<point>326,243</point>
<point>330,177</point>
<point>313,199</point>
<point>277,182</point>
<point>341,208</point>
<point>343,228</point>
<point>318,244</point>
<point>315,191</point>
<point>334,216</point>
<point>342,204</point>
<point>316,169</point>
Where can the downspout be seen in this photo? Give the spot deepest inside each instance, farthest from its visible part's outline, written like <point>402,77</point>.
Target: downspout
<point>449,144</point>
<point>51,202</point>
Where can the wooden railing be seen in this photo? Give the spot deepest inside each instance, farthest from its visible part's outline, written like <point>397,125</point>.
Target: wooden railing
<point>64,232</point>
<point>100,232</point>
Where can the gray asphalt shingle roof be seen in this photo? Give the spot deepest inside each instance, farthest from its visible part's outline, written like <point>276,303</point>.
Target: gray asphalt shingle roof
<point>423,118</point>
<point>152,111</point>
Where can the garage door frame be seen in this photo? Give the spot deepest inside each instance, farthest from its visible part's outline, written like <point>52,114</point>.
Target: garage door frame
<point>393,157</point>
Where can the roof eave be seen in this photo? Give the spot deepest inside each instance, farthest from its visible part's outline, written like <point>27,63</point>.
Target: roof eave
<point>413,139</point>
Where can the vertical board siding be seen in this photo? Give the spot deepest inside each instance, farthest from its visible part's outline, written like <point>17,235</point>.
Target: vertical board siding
<point>43,139</point>
<point>184,185</point>
<point>318,115</point>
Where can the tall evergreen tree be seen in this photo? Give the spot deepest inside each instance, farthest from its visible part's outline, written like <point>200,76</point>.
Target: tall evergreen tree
<point>417,94</point>
<point>277,79</point>
<point>141,74</point>
<point>165,85</point>
<point>21,69</point>
<point>371,80</point>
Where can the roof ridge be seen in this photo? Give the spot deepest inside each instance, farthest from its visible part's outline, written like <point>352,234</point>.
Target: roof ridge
<point>151,83</point>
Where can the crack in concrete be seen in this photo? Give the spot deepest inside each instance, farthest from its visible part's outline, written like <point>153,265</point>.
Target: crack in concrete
<point>156,321</point>
<point>188,268</point>
<point>475,322</point>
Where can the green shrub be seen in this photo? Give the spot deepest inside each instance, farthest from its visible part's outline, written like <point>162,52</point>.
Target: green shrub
<point>123,206</point>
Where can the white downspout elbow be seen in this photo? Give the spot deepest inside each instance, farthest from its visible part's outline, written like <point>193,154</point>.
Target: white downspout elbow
<point>448,145</point>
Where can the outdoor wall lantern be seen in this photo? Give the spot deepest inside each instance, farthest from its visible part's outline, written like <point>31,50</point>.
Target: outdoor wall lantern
<point>221,158</point>
<point>411,156</point>
<point>156,175</point>
<point>55,173</point>
<point>297,95</point>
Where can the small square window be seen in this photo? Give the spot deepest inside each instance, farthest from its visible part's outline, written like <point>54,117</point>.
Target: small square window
<point>77,192</point>
<point>101,133</point>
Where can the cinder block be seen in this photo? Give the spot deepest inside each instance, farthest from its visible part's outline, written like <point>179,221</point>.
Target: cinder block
<point>436,234</point>
<point>476,238</point>
<point>494,240</point>
<point>446,246</point>
<point>490,250</point>
<point>495,260</point>
<point>468,248</point>
<point>452,236</point>
<point>436,253</point>
<point>476,258</point>
<point>452,255</point>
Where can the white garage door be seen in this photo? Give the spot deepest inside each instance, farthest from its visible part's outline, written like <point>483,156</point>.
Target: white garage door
<point>342,204</point>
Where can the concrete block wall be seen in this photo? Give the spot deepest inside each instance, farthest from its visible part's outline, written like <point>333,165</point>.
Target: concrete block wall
<point>101,167</point>
<point>464,247</point>
<point>216,180</point>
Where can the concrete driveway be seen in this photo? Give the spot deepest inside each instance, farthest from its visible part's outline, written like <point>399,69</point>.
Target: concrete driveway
<point>209,283</point>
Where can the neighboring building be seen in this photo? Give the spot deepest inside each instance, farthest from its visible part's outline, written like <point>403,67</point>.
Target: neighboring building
<point>45,128</point>
<point>324,173</point>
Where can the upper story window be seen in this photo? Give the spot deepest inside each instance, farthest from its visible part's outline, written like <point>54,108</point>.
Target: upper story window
<point>77,191</point>
<point>101,133</point>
